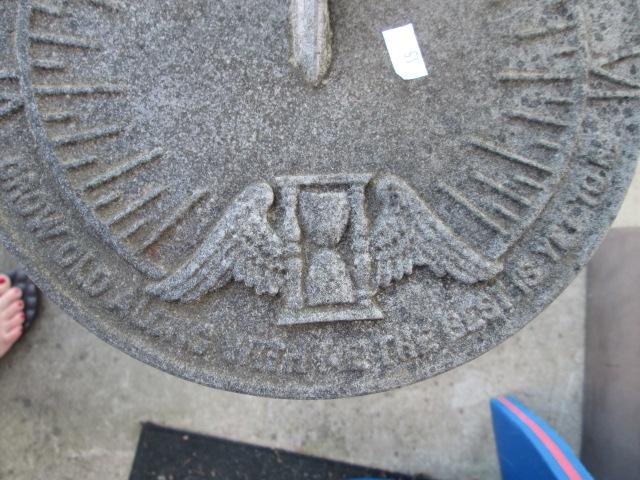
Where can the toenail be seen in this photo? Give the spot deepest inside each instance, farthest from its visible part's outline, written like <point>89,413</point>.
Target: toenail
<point>20,304</point>
<point>17,290</point>
<point>2,280</point>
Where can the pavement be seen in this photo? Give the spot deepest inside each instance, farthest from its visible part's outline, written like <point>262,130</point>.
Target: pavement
<point>71,405</point>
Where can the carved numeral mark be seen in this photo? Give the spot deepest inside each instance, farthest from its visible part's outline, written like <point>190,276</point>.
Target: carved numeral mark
<point>56,117</point>
<point>48,64</point>
<point>8,75</point>
<point>100,88</point>
<point>505,212</point>
<point>613,95</point>
<point>565,52</point>
<point>526,76</point>
<point>600,70</point>
<point>133,229</point>
<point>124,168</point>
<point>503,189</point>
<point>536,33</point>
<point>47,9</point>
<point>137,205</point>
<point>544,120</point>
<point>107,200</point>
<point>108,4</point>
<point>79,163</point>
<point>549,145</point>
<point>558,100</point>
<point>172,220</point>
<point>12,106</point>
<point>467,203</point>
<point>507,155</point>
<point>529,182</point>
<point>70,41</point>
<point>614,78</point>
<point>87,135</point>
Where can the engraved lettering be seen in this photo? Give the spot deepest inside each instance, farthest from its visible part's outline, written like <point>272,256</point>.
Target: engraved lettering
<point>45,222</point>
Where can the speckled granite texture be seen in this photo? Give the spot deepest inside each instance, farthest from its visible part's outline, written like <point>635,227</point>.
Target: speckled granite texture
<point>177,185</point>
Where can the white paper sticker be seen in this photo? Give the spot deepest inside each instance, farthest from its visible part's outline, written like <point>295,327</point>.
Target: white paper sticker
<point>404,51</point>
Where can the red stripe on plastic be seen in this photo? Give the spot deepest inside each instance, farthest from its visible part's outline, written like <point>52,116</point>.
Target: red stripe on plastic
<point>550,445</point>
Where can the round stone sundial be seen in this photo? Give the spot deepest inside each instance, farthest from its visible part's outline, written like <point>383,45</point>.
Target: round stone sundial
<point>250,195</point>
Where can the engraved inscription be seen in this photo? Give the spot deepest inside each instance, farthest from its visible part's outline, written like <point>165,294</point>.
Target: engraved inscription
<point>46,224</point>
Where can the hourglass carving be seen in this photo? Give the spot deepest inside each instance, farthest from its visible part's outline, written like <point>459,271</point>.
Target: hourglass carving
<point>325,217</point>
<point>326,233</point>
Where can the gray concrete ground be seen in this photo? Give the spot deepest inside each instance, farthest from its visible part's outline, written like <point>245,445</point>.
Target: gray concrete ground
<point>610,433</point>
<point>71,406</point>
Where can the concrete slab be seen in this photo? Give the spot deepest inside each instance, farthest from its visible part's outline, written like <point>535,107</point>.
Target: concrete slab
<point>629,215</point>
<point>612,361</point>
<point>71,406</point>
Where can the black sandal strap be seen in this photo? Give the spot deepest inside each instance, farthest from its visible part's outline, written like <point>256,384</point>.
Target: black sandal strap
<point>30,296</point>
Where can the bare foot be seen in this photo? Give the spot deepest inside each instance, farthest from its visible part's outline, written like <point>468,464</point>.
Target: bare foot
<point>11,314</point>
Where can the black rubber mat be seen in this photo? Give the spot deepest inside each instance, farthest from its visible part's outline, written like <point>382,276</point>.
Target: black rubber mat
<point>172,454</point>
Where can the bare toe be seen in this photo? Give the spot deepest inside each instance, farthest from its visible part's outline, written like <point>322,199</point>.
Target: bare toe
<point>7,339</point>
<point>5,283</point>
<point>8,297</point>
<point>13,309</point>
<point>15,321</point>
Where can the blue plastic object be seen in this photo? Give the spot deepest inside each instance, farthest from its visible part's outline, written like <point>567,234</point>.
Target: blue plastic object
<point>528,449</point>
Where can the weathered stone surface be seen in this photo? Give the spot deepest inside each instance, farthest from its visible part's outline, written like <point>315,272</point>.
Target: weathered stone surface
<point>167,173</point>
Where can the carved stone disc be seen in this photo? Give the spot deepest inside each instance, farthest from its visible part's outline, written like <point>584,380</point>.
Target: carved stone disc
<point>246,195</point>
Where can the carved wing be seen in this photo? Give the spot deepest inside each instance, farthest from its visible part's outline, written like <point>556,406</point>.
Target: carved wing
<point>242,246</point>
<point>408,233</point>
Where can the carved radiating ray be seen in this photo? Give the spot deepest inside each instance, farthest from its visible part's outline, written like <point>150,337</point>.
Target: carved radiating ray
<point>70,41</point>
<point>79,89</point>
<point>56,117</point>
<point>534,76</point>
<point>48,64</point>
<point>538,33</point>
<point>124,168</point>
<point>599,71</point>
<point>136,205</point>
<point>620,56</point>
<point>9,102</point>
<point>47,9</point>
<point>503,189</point>
<point>79,163</point>
<point>508,155</point>
<point>529,182</point>
<point>87,135</point>
<point>8,75</point>
<point>565,52</point>
<point>10,107</point>
<point>614,78</point>
<point>133,229</point>
<point>172,220</point>
<point>505,212</point>
<point>535,117</point>
<point>549,145</point>
<point>558,100</point>
<point>109,4</point>
<point>107,200</point>
<point>472,207</point>
<point>612,95</point>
